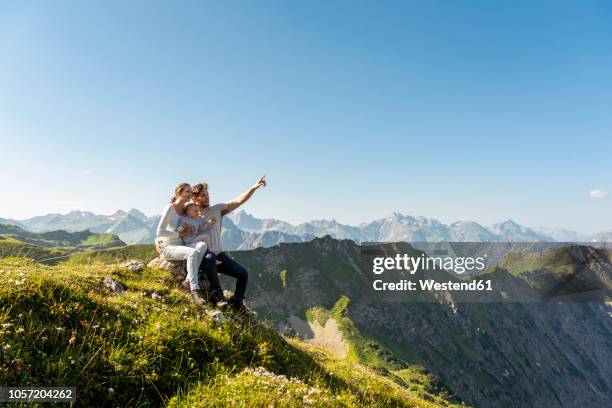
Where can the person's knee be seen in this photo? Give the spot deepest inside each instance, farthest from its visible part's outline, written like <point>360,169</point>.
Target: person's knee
<point>210,257</point>
<point>200,248</point>
<point>190,253</point>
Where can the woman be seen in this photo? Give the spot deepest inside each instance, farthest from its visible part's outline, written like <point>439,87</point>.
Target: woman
<point>170,244</point>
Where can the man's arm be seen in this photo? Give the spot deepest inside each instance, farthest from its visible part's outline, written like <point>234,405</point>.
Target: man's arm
<point>243,198</point>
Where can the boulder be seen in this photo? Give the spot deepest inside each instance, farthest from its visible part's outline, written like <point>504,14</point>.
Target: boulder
<point>133,265</point>
<point>177,267</point>
<point>114,285</point>
<point>216,315</point>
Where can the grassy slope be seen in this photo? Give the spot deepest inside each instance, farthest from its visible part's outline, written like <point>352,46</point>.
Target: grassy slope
<point>559,261</point>
<point>381,357</point>
<point>102,240</point>
<point>82,240</point>
<point>144,252</point>
<point>10,247</point>
<point>60,326</point>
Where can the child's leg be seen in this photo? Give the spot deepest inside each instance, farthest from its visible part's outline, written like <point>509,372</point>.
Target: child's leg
<point>202,238</point>
<point>206,240</point>
<point>196,244</point>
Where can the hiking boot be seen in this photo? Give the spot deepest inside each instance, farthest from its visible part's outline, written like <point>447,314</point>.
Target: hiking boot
<point>185,286</point>
<point>239,306</point>
<point>218,299</point>
<point>197,298</point>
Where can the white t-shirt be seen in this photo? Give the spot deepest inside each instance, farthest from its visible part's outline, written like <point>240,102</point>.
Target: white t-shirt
<point>214,211</point>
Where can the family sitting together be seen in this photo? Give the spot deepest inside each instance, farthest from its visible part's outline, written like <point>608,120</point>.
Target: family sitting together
<point>190,230</point>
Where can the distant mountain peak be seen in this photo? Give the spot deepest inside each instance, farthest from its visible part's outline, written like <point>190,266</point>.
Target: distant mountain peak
<point>78,214</point>
<point>137,214</point>
<point>244,215</point>
<point>398,216</point>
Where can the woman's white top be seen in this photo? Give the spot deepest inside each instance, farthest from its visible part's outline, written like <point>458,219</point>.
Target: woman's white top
<point>166,229</point>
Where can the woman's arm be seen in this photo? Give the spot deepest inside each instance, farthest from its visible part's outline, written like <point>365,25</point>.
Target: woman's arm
<point>162,227</point>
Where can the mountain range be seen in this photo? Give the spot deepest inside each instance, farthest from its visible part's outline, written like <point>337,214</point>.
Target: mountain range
<point>132,227</point>
<point>245,231</point>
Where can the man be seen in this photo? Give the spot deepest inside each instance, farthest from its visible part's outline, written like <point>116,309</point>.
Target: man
<point>227,266</point>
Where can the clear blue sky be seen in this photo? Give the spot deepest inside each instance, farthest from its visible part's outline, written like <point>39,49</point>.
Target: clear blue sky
<point>471,110</point>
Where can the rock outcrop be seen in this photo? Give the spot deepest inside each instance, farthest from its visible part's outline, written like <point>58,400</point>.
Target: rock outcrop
<point>134,265</point>
<point>177,267</point>
<point>114,285</point>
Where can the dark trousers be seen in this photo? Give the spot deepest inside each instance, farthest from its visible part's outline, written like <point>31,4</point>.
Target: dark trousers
<point>227,267</point>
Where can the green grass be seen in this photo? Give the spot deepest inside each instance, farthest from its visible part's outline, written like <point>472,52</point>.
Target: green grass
<point>318,314</point>
<point>110,256</point>
<point>69,241</point>
<point>557,260</point>
<point>341,383</point>
<point>10,247</point>
<point>59,326</point>
<point>100,240</point>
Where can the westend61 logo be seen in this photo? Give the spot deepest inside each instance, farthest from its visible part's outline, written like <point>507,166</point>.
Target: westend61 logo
<point>412,264</point>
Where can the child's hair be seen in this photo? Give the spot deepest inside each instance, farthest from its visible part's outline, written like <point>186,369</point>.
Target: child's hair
<point>186,207</point>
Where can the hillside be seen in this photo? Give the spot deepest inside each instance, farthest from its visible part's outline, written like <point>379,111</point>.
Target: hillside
<point>545,354</point>
<point>149,346</point>
<point>574,270</point>
<point>77,241</point>
<point>111,256</point>
<point>10,247</point>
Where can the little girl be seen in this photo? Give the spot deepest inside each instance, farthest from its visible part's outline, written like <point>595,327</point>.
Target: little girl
<point>191,212</point>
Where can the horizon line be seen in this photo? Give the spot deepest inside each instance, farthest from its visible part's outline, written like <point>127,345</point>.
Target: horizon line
<point>320,219</point>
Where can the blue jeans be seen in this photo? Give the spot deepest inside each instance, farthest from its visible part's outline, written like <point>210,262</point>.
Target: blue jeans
<point>227,267</point>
